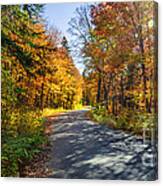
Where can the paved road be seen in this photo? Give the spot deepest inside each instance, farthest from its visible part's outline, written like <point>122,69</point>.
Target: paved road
<point>82,149</point>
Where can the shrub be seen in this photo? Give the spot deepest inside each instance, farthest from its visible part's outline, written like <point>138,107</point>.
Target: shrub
<point>16,152</point>
<point>127,120</point>
<point>22,136</point>
<point>101,115</point>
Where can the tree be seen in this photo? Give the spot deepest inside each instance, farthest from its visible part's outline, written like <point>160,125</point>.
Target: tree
<point>118,48</point>
<point>37,72</point>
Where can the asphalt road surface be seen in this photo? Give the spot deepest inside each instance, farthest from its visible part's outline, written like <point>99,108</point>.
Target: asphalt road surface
<point>83,149</point>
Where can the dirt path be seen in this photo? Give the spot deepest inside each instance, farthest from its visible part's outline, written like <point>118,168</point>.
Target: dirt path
<point>82,149</point>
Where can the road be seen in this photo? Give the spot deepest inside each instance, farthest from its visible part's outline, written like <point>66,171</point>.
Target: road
<point>83,149</point>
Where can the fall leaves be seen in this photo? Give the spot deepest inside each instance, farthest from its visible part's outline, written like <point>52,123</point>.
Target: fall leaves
<point>37,72</point>
<point>116,42</point>
<point>43,72</point>
<point>120,56</point>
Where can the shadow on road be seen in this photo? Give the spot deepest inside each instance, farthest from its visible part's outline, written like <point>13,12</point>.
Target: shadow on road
<point>82,149</point>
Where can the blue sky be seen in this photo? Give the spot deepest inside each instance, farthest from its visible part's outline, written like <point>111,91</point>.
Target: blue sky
<point>58,15</point>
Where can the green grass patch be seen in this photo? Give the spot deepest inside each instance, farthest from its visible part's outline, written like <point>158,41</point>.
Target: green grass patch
<point>22,138</point>
<point>131,121</point>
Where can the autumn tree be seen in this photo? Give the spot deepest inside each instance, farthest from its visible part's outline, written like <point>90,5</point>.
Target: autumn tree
<point>119,57</point>
<point>37,72</point>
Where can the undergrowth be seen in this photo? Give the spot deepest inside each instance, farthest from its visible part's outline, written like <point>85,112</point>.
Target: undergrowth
<point>135,122</point>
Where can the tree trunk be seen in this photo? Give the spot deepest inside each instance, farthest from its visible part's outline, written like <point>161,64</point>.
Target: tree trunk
<point>99,89</point>
<point>42,96</point>
<point>122,92</point>
<point>106,93</point>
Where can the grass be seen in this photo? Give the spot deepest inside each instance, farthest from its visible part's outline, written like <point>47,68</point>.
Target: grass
<point>52,112</point>
<point>134,122</point>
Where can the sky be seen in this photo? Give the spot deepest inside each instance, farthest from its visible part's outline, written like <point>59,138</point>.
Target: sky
<point>58,15</point>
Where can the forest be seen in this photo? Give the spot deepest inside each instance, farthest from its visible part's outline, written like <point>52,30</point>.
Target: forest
<point>116,43</point>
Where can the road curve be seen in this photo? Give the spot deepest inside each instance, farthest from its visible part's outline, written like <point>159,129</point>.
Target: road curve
<point>82,149</point>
